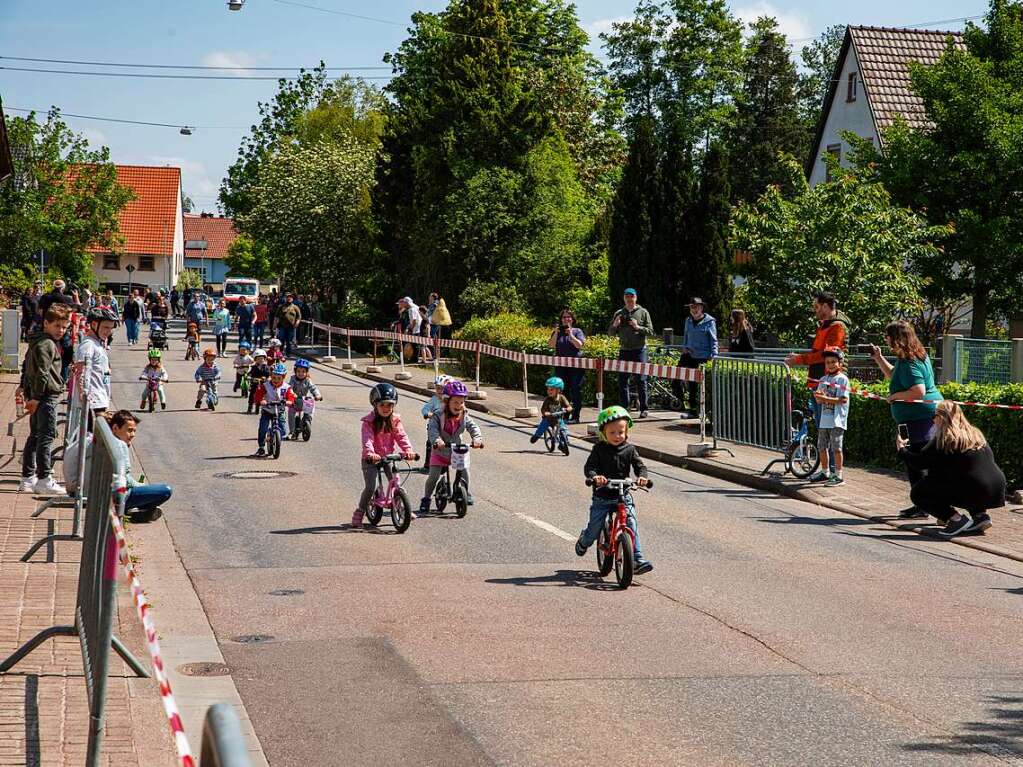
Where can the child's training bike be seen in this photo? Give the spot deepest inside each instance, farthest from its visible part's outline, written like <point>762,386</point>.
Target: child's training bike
<point>556,434</point>
<point>192,352</point>
<point>152,393</point>
<point>275,436</point>
<point>616,545</point>
<point>304,409</point>
<point>801,458</point>
<point>390,495</point>
<point>457,494</point>
<point>208,391</point>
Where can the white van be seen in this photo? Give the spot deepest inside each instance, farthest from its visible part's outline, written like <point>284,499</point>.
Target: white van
<point>236,287</point>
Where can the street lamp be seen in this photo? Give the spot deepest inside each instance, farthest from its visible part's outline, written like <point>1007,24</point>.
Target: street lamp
<point>185,130</point>
<point>235,5</point>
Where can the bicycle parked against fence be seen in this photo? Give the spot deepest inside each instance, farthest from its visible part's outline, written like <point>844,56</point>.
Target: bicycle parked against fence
<point>801,457</point>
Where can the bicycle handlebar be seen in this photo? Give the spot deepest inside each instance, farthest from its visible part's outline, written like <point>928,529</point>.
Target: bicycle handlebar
<point>394,457</point>
<point>625,484</point>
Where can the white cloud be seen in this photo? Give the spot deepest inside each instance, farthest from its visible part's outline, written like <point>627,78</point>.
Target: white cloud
<point>96,138</point>
<point>596,28</point>
<point>791,24</point>
<point>194,178</point>
<point>234,62</point>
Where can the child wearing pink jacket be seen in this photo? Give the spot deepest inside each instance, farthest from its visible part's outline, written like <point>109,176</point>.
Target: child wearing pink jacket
<point>382,434</point>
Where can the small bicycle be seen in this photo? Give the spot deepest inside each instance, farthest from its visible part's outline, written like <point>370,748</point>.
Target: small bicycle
<point>245,385</point>
<point>152,393</point>
<point>275,436</point>
<point>801,457</point>
<point>457,494</point>
<point>208,391</point>
<point>616,544</point>
<point>390,495</point>
<point>556,435</point>
<point>192,352</point>
<point>304,409</point>
<point>254,384</point>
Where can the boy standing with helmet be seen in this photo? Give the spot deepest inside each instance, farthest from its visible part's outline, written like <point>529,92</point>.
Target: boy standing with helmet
<point>612,458</point>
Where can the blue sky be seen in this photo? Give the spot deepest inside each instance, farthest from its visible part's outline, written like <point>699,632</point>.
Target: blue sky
<point>272,33</point>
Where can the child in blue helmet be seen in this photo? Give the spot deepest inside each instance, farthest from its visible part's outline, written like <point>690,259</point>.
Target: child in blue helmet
<point>555,401</point>
<point>302,385</point>
<point>268,395</point>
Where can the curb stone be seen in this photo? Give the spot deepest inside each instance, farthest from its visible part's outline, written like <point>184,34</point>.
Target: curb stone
<point>719,471</point>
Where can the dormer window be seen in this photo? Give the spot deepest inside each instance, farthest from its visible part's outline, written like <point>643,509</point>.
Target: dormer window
<point>850,94</point>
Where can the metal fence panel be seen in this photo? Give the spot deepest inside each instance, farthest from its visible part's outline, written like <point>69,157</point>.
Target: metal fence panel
<point>982,360</point>
<point>752,403</point>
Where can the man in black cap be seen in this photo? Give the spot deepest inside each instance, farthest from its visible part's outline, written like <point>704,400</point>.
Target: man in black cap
<point>699,346</point>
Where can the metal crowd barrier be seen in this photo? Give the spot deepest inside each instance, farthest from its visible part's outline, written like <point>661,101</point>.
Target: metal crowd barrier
<point>76,434</point>
<point>96,602</point>
<point>222,742</point>
<point>751,403</point>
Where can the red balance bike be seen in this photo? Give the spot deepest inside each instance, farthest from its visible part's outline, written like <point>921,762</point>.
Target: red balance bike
<point>616,544</point>
<point>389,494</point>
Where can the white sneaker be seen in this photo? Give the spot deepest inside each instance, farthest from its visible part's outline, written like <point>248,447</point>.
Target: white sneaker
<point>27,484</point>
<point>49,486</point>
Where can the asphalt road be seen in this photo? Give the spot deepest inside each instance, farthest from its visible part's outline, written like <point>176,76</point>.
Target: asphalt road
<point>771,632</point>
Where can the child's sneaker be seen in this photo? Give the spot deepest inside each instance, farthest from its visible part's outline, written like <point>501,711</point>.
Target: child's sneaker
<point>580,547</point>
<point>357,518</point>
<point>835,480</point>
<point>533,439</point>
<point>142,405</point>
<point>820,476</point>
<point>198,404</point>
<point>424,507</point>
<point>564,447</point>
<point>27,485</point>
<point>163,406</point>
<point>261,453</point>
<point>643,566</point>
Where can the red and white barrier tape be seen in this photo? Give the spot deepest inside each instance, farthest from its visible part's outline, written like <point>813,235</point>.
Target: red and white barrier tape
<point>153,644</point>
<point>657,371</point>
<point>871,395</point>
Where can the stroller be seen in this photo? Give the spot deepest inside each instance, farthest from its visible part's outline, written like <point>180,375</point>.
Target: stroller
<point>157,335</point>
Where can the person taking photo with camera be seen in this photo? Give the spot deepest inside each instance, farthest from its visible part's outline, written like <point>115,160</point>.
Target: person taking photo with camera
<point>567,341</point>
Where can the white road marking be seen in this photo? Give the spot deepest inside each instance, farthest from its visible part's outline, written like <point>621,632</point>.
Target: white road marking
<point>546,526</point>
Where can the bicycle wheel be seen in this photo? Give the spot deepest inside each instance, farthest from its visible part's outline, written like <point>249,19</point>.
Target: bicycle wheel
<point>441,494</point>
<point>401,511</point>
<point>374,514</point>
<point>605,562</point>
<point>461,504</point>
<point>152,402</point>
<point>275,443</point>
<point>307,429</point>
<point>624,561</point>
<point>805,458</point>
<point>549,441</point>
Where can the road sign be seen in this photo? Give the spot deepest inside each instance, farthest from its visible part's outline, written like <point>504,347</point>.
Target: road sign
<point>129,268</point>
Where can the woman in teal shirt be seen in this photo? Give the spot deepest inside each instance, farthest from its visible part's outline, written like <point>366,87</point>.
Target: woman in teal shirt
<point>910,378</point>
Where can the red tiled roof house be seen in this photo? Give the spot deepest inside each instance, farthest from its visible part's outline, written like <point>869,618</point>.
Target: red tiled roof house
<point>217,233</point>
<point>870,88</point>
<point>151,229</point>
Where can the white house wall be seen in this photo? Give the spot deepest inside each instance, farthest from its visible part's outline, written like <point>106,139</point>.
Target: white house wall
<point>845,115</point>
<point>179,243</point>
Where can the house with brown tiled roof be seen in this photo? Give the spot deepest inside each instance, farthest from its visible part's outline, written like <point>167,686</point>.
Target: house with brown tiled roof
<point>151,229</point>
<point>870,88</point>
<point>207,239</point>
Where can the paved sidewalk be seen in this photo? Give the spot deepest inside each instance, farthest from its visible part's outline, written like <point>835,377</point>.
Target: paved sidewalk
<point>43,706</point>
<point>874,494</point>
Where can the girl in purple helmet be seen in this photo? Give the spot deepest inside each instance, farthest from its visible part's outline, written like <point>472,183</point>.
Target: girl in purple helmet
<point>446,426</point>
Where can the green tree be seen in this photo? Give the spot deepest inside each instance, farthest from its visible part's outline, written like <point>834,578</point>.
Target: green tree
<point>633,243</point>
<point>708,271</point>
<point>635,51</point>
<point>248,258</point>
<point>63,198</point>
<point>767,119</point>
<point>845,236</point>
<point>967,170</point>
<point>189,278</point>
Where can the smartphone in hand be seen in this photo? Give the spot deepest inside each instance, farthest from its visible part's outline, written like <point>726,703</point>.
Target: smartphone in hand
<point>904,431</point>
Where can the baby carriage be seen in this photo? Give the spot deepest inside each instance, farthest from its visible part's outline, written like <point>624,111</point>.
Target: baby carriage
<point>157,335</point>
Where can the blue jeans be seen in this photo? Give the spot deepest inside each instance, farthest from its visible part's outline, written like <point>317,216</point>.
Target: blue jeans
<point>598,511</point>
<point>147,496</point>
<point>265,419</point>
<point>632,355</point>
<point>287,337</point>
<point>542,427</point>
<point>131,329</point>
<point>259,333</point>
<point>245,333</point>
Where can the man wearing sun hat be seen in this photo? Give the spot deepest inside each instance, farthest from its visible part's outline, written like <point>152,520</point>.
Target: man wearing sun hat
<point>632,325</point>
<point>699,346</point>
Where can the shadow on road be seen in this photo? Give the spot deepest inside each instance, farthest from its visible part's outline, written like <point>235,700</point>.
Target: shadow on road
<point>333,530</point>
<point>818,521</point>
<point>1001,735</point>
<point>587,579</point>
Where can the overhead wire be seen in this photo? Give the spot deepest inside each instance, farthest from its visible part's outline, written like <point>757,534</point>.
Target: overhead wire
<point>132,122</point>
<point>163,77</point>
<point>188,66</point>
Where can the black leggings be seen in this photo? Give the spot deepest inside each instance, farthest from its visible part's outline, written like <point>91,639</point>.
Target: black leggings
<point>940,496</point>
<point>221,343</point>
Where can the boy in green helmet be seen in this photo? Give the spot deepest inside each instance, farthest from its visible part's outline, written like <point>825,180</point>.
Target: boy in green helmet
<point>612,458</point>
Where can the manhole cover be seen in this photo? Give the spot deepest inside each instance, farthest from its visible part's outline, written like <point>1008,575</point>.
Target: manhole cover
<point>204,669</point>
<point>286,592</point>
<point>254,474</point>
<point>252,638</point>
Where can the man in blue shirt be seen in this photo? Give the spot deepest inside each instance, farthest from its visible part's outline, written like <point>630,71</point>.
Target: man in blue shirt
<point>699,345</point>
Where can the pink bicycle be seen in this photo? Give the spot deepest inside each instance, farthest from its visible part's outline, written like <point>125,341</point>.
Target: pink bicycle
<point>389,494</point>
